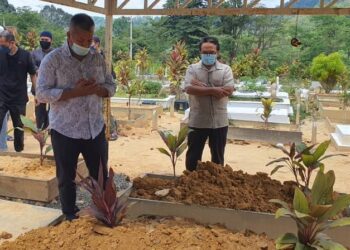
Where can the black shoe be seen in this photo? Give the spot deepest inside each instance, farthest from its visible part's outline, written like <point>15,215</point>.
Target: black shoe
<point>10,138</point>
<point>113,137</point>
<point>71,217</point>
<point>76,210</point>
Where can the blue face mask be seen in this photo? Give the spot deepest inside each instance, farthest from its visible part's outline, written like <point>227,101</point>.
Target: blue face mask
<point>4,50</point>
<point>79,50</point>
<point>208,59</point>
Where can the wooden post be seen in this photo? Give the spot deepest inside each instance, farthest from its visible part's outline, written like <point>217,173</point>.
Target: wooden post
<point>314,131</point>
<point>155,120</point>
<point>297,119</point>
<point>109,6</point>
<point>172,111</point>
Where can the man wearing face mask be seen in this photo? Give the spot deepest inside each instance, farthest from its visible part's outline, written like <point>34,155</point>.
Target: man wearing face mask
<point>41,112</point>
<point>209,83</point>
<point>74,81</point>
<point>15,65</point>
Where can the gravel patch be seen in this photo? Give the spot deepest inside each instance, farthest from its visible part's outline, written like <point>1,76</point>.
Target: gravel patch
<point>83,200</point>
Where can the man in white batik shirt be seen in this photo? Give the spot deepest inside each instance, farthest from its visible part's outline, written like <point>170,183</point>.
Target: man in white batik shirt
<point>74,82</point>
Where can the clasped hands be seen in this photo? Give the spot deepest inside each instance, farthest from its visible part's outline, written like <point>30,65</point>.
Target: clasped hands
<point>218,92</point>
<point>87,87</point>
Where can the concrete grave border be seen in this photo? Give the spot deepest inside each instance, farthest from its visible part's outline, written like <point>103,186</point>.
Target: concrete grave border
<point>32,188</point>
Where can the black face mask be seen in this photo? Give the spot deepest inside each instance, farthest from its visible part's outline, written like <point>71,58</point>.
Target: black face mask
<point>4,50</point>
<point>45,45</point>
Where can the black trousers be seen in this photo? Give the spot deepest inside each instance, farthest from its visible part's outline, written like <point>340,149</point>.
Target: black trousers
<point>15,112</point>
<point>66,151</point>
<point>196,141</point>
<point>41,116</point>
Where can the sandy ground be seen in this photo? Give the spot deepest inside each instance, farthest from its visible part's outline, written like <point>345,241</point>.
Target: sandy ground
<point>137,154</point>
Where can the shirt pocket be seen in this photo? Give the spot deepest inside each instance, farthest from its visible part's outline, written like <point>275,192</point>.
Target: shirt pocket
<point>217,79</point>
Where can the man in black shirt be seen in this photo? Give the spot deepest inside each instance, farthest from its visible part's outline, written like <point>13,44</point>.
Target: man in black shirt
<point>15,64</point>
<point>41,112</point>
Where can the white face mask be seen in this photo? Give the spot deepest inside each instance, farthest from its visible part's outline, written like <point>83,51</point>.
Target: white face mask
<point>79,50</point>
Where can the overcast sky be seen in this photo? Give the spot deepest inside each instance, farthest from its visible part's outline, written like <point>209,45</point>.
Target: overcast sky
<point>37,5</point>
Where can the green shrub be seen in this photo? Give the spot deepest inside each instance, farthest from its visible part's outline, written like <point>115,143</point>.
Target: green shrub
<point>328,70</point>
<point>152,87</point>
<point>252,87</point>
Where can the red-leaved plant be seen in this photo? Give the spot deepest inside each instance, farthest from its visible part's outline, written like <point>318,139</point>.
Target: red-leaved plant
<point>106,206</point>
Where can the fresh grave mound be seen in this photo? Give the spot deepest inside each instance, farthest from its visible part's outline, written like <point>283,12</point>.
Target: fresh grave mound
<point>216,186</point>
<point>144,233</point>
<point>26,167</point>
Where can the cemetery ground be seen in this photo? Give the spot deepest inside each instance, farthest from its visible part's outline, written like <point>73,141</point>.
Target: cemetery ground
<point>135,153</point>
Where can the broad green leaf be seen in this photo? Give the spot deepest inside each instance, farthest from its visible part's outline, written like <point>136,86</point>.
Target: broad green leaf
<point>308,160</point>
<point>300,246</point>
<point>300,202</point>
<point>182,135</point>
<point>48,149</point>
<point>329,245</point>
<point>29,124</point>
<point>321,149</point>
<point>339,223</point>
<point>322,186</point>
<point>164,151</point>
<point>172,142</point>
<point>163,136</point>
<point>330,179</point>
<point>282,203</point>
<point>338,206</point>
<point>288,238</point>
<point>276,169</point>
<point>332,155</point>
<point>283,212</point>
<point>281,246</point>
<point>181,149</point>
<point>302,215</point>
<point>317,211</point>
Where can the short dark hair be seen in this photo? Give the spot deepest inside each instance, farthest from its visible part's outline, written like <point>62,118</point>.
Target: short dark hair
<point>210,39</point>
<point>82,21</point>
<point>9,36</point>
<point>96,39</point>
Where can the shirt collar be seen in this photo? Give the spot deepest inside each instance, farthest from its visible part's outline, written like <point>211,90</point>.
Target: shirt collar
<point>217,66</point>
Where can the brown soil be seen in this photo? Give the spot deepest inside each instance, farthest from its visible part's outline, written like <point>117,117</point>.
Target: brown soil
<point>24,167</point>
<point>141,234</point>
<point>217,186</point>
<point>128,131</point>
<point>5,235</point>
